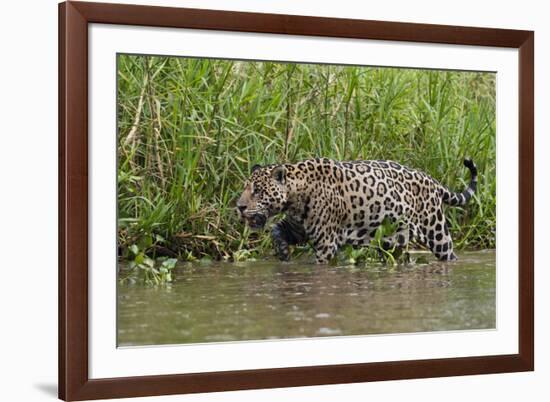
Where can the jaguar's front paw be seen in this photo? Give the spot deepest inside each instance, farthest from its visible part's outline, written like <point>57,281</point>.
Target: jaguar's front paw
<point>281,251</point>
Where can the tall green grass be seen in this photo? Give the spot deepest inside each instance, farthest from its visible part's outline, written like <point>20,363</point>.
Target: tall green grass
<point>189,131</point>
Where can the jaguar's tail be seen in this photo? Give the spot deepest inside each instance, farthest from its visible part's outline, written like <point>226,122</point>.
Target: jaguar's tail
<point>462,198</point>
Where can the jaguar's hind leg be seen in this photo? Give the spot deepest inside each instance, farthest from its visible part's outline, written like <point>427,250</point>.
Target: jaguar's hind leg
<point>397,240</point>
<point>440,242</point>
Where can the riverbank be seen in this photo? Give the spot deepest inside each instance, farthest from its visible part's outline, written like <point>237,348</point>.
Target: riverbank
<point>190,130</point>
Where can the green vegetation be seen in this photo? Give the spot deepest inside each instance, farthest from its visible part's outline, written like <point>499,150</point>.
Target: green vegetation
<point>189,131</point>
<point>148,270</point>
<point>376,251</point>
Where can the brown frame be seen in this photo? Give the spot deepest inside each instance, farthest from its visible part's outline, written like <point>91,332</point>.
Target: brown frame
<point>74,18</point>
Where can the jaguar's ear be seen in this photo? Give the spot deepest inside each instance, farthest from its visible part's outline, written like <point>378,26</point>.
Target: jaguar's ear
<point>254,168</point>
<point>279,173</point>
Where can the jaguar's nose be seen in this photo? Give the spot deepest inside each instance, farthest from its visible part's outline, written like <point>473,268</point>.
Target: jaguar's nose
<point>241,208</point>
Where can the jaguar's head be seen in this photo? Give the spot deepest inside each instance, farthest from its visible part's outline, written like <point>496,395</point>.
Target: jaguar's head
<point>265,194</point>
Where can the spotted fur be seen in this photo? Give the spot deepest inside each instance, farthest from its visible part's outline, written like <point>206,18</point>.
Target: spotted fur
<point>331,203</point>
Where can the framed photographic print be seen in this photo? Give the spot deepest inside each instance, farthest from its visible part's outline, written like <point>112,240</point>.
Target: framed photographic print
<point>261,200</point>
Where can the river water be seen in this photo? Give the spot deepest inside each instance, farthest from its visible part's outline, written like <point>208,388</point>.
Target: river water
<point>221,301</point>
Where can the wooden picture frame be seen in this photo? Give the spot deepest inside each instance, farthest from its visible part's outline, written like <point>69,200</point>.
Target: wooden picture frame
<point>74,381</point>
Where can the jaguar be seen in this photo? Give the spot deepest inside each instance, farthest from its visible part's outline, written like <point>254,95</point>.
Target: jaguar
<point>331,203</point>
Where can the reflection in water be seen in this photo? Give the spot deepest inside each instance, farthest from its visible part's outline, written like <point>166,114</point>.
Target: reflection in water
<point>221,301</point>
